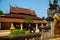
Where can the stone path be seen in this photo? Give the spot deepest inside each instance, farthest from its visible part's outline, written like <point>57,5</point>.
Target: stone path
<point>4,33</point>
<point>55,38</point>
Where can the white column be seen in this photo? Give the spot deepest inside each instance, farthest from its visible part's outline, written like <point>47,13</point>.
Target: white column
<point>37,30</point>
<point>52,29</point>
<point>0,25</point>
<point>46,24</point>
<point>21,26</point>
<point>29,25</point>
<point>36,26</point>
<point>42,25</point>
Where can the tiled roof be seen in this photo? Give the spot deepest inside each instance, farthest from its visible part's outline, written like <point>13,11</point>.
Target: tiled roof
<point>21,10</point>
<point>18,15</point>
<point>21,16</point>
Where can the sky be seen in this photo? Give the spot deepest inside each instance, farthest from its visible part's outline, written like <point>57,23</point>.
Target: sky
<point>39,6</point>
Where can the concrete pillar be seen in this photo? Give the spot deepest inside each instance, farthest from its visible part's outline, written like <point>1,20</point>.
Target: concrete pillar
<point>52,29</point>
<point>21,26</point>
<point>29,25</point>
<point>42,25</point>
<point>0,25</point>
<point>36,26</point>
<point>46,24</point>
<point>37,30</point>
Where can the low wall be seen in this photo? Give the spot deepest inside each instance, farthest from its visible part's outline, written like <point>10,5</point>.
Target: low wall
<point>33,36</point>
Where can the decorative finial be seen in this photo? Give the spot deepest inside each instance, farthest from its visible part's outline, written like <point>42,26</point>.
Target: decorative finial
<point>49,2</point>
<point>10,5</point>
<point>55,1</point>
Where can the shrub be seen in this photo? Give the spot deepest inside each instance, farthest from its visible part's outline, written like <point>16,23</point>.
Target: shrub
<point>17,31</point>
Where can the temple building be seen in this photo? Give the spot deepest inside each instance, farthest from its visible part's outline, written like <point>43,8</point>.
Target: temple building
<point>17,16</point>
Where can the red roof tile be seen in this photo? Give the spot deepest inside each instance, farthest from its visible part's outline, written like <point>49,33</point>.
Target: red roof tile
<point>21,10</point>
<point>18,15</point>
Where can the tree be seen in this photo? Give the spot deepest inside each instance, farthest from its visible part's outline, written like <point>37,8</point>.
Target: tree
<point>43,18</point>
<point>29,20</point>
<point>1,12</point>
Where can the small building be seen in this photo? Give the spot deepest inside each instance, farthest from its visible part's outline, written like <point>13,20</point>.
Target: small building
<point>17,18</point>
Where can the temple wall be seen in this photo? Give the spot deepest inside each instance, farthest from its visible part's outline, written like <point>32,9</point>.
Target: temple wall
<point>0,25</point>
<point>5,26</point>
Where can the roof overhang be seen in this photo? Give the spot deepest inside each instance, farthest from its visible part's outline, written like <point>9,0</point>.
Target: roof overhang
<point>20,20</point>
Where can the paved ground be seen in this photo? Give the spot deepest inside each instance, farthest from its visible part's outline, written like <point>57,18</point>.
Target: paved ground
<point>4,33</point>
<point>58,38</point>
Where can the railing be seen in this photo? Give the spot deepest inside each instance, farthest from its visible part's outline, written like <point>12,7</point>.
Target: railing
<point>31,36</point>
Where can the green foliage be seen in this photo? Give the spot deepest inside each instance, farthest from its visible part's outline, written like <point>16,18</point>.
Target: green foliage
<point>17,31</point>
<point>1,12</point>
<point>28,19</point>
<point>43,18</point>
